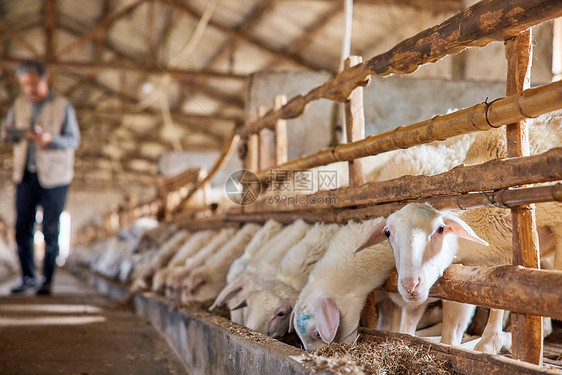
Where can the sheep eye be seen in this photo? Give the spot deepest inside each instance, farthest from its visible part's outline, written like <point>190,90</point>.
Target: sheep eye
<point>281,314</point>
<point>387,233</point>
<point>316,334</point>
<point>440,229</point>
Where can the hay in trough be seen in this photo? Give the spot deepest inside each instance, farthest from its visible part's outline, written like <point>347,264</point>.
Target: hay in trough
<point>390,357</point>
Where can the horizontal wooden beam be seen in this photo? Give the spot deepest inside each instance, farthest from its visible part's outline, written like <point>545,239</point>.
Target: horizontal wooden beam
<point>505,198</point>
<point>485,22</point>
<point>492,175</point>
<point>513,288</point>
<point>98,67</point>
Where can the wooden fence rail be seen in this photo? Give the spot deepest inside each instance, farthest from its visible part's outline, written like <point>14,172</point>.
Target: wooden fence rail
<point>493,175</point>
<point>505,198</point>
<point>514,288</point>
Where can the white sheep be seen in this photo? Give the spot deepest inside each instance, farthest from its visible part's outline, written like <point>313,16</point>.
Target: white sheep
<point>160,245</point>
<point>545,132</point>
<point>426,241</point>
<point>270,304</point>
<point>218,240</point>
<point>329,306</point>
<point>262,266</point>
<point>206,282</point>
<point>426,159</point>
<point>183,250</point>
<point>269,230</point>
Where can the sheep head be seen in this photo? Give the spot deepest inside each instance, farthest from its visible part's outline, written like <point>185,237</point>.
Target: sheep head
<point>424,242</point>
<point>316,321</point>
<point>269,308</point>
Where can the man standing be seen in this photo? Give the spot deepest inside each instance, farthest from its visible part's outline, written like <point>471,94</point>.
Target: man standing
<point>43,127</point>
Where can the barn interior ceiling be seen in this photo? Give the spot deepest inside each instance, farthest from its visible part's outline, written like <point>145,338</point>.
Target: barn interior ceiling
<point>154,76</point>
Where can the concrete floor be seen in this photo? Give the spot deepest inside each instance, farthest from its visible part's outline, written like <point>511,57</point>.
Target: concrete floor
<point>78,331</point>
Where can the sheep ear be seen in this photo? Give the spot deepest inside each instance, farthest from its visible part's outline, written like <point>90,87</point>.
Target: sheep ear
<point>242,304</point>
<point>327,319</point>
<point>461,229</point>
<point>291,321</point>
<point>227,294</point>
<point>375,236</point>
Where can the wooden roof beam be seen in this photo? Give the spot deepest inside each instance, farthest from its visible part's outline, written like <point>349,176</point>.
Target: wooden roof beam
<point>49,16</point>
<point>99,28</point>
<point>191,11</point>
<point>249,21</point>
<point>313,30</point>
<point>176,114</point>
<point>130,99</point>
<point>96,68</point>
<point>438,6</point>
<point>4,27</point>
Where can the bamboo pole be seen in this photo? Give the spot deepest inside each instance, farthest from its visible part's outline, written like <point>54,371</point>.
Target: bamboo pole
<point>281,134</point>
<point>355,125</point>
<point>484,116</point>
<point>513,288</point>
<point>477,26</point>
<point>492,175</point>
<point>527,342</point>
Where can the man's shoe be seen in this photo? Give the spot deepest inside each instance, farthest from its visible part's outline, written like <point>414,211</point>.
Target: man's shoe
<point>44,290</point>
<point>24,284</point>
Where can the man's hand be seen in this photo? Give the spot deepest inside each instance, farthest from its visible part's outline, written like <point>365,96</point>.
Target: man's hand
<point>40,137</point>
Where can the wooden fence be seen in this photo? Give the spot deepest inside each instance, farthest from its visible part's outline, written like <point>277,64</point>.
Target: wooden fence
<point>528,292</point>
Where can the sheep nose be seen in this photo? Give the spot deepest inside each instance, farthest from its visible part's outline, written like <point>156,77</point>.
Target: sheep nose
<point>410,284</point>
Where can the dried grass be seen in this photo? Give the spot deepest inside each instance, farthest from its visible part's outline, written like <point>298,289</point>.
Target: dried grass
<point>390,357</point>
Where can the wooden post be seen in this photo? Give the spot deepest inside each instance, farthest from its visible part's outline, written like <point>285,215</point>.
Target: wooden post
<point>265,159</point>
<point>526,329</point>
<point>355,131</point>
<point>355,124</point>
<point>557,49</point>
<point>251,160</point>
<point>281,134</point>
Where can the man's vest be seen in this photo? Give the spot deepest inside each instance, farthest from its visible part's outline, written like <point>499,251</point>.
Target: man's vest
<point>55,167</point>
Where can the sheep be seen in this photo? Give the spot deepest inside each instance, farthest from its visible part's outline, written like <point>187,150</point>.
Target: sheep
<point>426,241</point>
<point>195,242</point>
<point>545,132</point>
<point>206,282</point>
<point>173,283</point>
<point>263,265</point>
<point>427,159</point>
<point>163,255</point>
<point>269,230</point>
<point>328,308</point>
<point>270,305</point>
